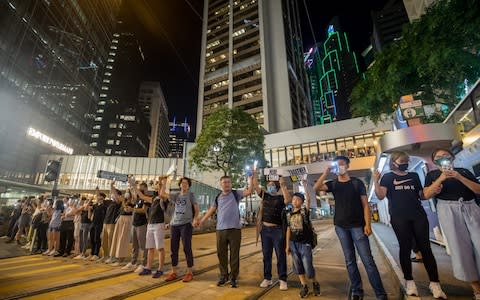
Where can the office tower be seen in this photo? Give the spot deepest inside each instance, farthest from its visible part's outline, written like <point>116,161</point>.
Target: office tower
<point>388,24</point>
<point>152,101</point>
<point>333,71</point>
<point>179,135</point>
<point>252,58</point>
<point>416,8</point>
<point>52,54</point>
<point>120,126</point>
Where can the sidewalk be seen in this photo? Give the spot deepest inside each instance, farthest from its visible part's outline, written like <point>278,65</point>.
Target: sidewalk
<point>454,288</point>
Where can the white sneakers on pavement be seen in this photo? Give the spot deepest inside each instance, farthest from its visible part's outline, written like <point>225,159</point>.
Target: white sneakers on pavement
<point>283,285</point>
<point>266,283</point>
<point>411,288</point>
<point>139,268</point>
<point>437,291</point>
<point>129,266</point>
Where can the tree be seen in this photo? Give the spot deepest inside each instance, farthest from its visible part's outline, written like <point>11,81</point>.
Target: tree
<point>432,60</point>
<point>229,141</point>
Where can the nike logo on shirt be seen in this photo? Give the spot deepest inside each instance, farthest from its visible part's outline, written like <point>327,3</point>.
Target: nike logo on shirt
<point>395,182</point>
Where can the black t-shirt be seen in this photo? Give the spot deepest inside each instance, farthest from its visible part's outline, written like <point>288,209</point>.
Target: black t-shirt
<point>296,222</point>
<point>403,195</point>
<point>140,219</point>
<point>98,213</point>
<point>348,202</point>
<point>84,217</point>
<point>111,214</point>
<point>273,206</point>
<point>452,189</point>
<point>156,212</point>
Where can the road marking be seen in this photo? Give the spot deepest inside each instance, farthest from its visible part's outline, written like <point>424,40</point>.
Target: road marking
<point>167,289</point>
<point>16,260</point>
<point>22,266</point>
<point>47,270</point>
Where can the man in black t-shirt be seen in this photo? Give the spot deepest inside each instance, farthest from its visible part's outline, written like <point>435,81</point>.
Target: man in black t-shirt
<point>111,215</point>
<point>352,225</point>
<point>97,215</point>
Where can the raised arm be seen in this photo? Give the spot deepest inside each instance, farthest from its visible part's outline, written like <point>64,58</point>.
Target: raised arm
<point>283,187</point>
<point>380,191</point>
<point>320,183</point>
<point>248,191</point>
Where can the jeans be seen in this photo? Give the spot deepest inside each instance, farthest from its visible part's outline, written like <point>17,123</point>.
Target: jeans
<point>273,238</point>
<point>302,259</point>
<point>184,232</point>
<point>351,238</point>
<point>84,230</point>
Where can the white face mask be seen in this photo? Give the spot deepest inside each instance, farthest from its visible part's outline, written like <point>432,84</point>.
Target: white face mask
<point>341,170</point>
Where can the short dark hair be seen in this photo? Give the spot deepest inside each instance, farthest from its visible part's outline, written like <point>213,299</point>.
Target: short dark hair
<point>187,179</point>
<point>225,177</point>
<point>299,195</point>
<point>143,183</point>
<point>441,149</point>
<point>103,195</point>
<point>341,157</point>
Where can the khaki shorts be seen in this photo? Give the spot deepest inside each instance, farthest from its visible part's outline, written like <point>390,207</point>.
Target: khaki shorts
<point>155,236</point>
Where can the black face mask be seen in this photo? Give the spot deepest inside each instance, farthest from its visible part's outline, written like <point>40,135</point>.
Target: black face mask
<point>402,167</point>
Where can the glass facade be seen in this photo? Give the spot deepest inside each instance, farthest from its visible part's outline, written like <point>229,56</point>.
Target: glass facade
<point>467,114</point>
<point>355,146</point>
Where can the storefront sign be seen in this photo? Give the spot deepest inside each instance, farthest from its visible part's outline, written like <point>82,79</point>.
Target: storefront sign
<point>48,140</point>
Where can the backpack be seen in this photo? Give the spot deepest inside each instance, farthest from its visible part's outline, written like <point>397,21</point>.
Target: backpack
<point>235,194</point>
<point>307,226</point>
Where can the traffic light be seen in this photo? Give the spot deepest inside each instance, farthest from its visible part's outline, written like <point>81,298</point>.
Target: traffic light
<point>52,171</point>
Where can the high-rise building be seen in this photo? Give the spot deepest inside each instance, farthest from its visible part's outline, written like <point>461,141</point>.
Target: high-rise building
<point>333,71</point>
<point>179,134</point>
<point>388,24</point>
<point>416,8</point>
<point>251,58</point>
<point>52,55</point>
<point>152,101</point>
<point>120,126</point>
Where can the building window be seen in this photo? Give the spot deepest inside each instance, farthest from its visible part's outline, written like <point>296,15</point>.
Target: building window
<point>117,142</point>
<point>110,142</point>
<point>94,144</point>
<point>112,125</point>
<point>108,151</point>
<point>97,127</point>
<point>95,136</point>
<point>108,74</point>
<point>105,88</point>
<point>109,67</point>
<point>101,103</point>
<point>119,133</point>
<point>100,111</point>
<point>103,95</point>
<point>98,118</point>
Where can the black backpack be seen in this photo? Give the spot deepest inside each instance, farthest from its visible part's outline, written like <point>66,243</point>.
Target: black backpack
<point>307,226</point>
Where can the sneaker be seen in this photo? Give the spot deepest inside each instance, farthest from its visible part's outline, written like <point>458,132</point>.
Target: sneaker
<point>437,291</point>
<point>283,285</point>
<point>139,269</point>
<point>357,297</point>
<point>116,264</point>
<point>94,258</point>
<point>80,256</point>
<point>109,260</point>
<point>4,237</point>
<point>266,283</point>
<point>316,289</point>
<point>145,271</point>
<point>46,252</point>
<point>53,253</point>
<point>233,283</point>
<point>58,254</point>
<point>188,277</point>
<point>65,255</point>
<point>416,260</point>
<point>88,257</point>
<point>222,281</point>
<point>128,266</point>
<point>411,288</point>
<point>304,291</point>
<point>157,274</point>
<point>171,276</point>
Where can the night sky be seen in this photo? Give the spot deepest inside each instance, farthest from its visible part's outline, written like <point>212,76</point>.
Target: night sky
<point>170,33</point>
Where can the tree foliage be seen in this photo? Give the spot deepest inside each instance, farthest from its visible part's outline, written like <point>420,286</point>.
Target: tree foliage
<point>434,57</point>
<point>229,140</point>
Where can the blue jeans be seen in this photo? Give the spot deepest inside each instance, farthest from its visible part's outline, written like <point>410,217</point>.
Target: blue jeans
<point>302,259</point>
<point>351,238</point>
<point>273,238</point>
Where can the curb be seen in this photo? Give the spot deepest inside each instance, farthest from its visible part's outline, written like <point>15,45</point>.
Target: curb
<point>394,267</point>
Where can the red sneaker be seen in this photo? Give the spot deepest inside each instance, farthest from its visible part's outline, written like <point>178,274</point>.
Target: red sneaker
<point>188,277</point>
<point>171,276</point>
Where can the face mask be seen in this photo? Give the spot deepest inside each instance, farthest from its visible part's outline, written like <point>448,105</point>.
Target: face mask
<point>271,189</point>
<point>402,167</point>
<point>127,195</point>
<point>341,170</point>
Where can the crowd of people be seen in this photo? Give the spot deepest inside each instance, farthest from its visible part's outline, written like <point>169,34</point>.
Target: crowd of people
<point>70,227</point>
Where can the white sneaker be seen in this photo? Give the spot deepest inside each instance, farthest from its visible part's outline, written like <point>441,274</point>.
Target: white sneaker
<point>283,285</point>
<point>94,258</point>
<point>139,269</point>
<point>46,252</point>
<point>266,283</point>
<point>109,260</point>
<point>128,266</point>
<point>88,257</point>
<point>116,264</point>
<point>437,291</point>
<point>53,253</point>
<point>80,256</point>
<point>411,288</point>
